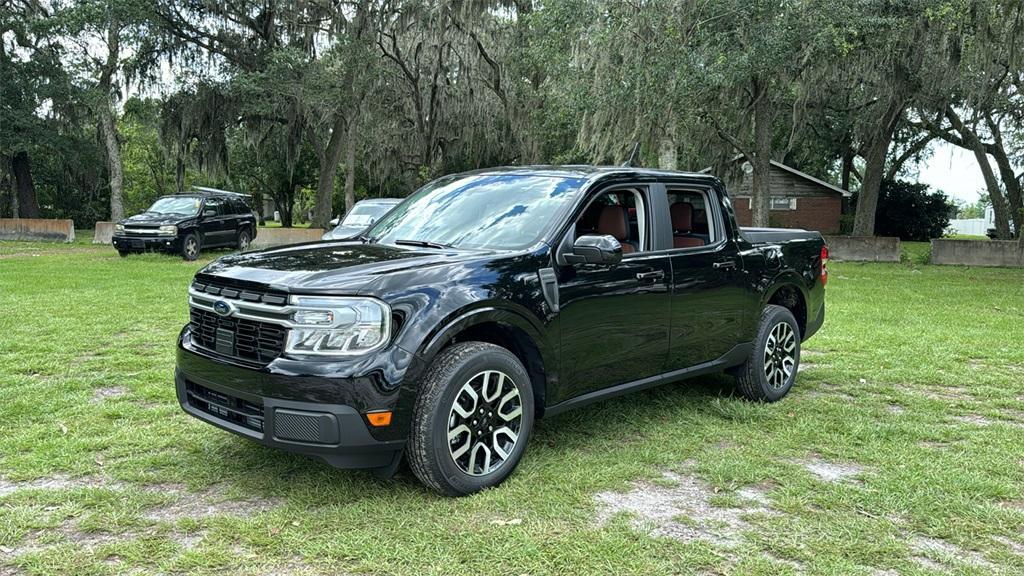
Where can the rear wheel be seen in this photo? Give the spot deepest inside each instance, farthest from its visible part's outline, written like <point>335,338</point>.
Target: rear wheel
<point>472,419</point>
<point>190,246</point>
<point>244,239</point>
<point>770,370</point>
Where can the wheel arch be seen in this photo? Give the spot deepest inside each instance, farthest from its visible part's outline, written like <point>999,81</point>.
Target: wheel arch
<point>501,327</point>
<point>789,293</point>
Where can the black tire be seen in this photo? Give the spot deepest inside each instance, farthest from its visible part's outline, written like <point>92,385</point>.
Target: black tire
<point>430,452</point>
<point>244,239</point>
<point>191,245</point>
<point>122,253</point>
<point>763,376</point>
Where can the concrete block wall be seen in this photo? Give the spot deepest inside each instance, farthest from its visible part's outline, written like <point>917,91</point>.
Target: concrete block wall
<point>1008,253</point>
<point>863,248</point>
<point>38,229</point>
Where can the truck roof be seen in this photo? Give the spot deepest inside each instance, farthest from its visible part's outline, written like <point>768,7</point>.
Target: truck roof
<point>588,171</point>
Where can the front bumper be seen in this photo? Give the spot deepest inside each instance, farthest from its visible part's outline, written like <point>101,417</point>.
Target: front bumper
<point>146,243</point>
<point>311,415</point>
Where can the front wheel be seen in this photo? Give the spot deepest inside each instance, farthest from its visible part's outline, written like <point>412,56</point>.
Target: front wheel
<point>190,246</point>
<point>769,372</point>
<point>472,419</point>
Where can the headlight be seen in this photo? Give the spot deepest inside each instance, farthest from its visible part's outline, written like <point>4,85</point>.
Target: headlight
<point>118,227</point>
<point>328,326</point>
<point>169,230</point>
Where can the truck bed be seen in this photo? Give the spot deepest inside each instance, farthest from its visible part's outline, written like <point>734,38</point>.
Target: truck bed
<point>777,235</point>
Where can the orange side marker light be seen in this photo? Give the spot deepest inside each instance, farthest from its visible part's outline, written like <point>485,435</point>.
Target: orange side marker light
<point>379,419</point>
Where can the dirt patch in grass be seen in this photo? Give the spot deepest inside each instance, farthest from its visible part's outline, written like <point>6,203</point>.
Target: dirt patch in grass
<point>108,392</point>
<point>974,419</point>
<point>937,554</point>
<point>211,502</point>
<point>681,506</point>
<point>945,394</point>
<point>895,409</point>
<point>183,504</point>
<point>831,471</point>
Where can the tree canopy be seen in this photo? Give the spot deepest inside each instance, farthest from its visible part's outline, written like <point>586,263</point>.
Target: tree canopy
<point>311,105</point>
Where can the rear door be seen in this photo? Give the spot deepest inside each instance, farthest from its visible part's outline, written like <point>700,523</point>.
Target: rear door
<point>711,299</point>
<point>215,227</point>
<point>614,319</point>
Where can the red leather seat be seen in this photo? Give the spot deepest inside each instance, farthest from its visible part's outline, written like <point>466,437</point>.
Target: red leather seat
<point>682,226</point>
<point>613,222</point>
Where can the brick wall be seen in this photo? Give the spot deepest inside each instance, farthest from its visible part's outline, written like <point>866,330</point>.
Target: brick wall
<point>820,213</point>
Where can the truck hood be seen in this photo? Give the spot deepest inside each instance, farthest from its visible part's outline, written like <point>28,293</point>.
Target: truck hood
<point>328,266</point>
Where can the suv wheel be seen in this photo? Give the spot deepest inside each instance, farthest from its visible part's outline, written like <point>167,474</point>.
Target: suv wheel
<point>472,419</point>
<point>244,239</point>
<point>770,370</point>
<point>190,246</point>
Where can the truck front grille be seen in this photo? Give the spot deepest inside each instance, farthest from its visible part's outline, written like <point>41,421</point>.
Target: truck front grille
<point>225,407</point>
<point>246,339</point>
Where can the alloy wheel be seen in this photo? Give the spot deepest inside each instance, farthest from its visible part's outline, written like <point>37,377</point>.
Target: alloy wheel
<point>780,355</point>
<point>243,241</point>
<point>191,247</point>
<point>484,422</point>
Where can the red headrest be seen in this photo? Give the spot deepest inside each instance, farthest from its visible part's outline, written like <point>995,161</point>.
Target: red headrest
<point>682,217</point>
<point>612,221</point>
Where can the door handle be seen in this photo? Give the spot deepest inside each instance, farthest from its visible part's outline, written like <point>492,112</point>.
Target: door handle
<point>724,264</point>
<point>655,275</point>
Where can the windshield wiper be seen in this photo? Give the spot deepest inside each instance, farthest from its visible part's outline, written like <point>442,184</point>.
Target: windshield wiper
<point>423,243</point>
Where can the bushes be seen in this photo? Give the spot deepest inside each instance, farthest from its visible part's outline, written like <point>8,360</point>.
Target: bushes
<point>911,211</point>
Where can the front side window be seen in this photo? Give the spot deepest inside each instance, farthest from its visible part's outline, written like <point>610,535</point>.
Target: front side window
<point>185,205</point>
<point>618,213</point>
<point>479,211</point>
<point>215,204</point>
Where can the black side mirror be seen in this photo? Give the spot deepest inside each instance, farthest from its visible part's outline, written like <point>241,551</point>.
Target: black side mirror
<point>209,213</point>
<point>595,249</point>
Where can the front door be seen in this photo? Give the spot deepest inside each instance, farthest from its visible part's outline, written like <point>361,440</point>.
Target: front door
<point>614,319</point>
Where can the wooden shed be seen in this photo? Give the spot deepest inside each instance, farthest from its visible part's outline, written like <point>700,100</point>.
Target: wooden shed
<point>798,200</point>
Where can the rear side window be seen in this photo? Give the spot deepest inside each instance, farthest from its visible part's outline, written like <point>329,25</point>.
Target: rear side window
<point>693,222</point>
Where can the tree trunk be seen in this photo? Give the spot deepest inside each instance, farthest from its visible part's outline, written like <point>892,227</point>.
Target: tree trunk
<point>25,203</point>
<point>874,169</point>
<point>329,160</point>
<point>668,154</point>
<point>848,155</point>
<point>999,206</point>
<point>761,188</point>
<point>108,120</point>
<point>109,130</point>
<point>350,163</point>
<point>1013,191</point>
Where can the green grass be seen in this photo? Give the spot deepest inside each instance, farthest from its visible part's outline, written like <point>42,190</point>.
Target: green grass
<point>917,376</point>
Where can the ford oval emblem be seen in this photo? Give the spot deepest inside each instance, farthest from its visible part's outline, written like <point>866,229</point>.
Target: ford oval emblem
<point>223,308</point>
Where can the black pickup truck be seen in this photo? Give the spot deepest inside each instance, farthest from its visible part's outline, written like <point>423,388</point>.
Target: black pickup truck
<point>489,299</point>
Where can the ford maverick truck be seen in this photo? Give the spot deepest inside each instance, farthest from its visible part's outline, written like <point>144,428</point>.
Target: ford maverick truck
<point>489,299</point>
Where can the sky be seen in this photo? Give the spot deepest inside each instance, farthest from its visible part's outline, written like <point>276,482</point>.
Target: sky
<point>954,171</point>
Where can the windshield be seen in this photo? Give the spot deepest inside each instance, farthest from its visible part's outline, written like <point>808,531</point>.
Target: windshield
<point>362,215</point>
<point>183,205</point>
<point>482,211</point>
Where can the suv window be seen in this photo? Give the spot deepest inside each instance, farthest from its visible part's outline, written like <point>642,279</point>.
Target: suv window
<point>692,221</point>
<point>619,213</point>
<point>216,204</point>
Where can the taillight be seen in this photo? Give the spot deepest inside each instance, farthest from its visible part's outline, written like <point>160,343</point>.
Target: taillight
<point>824,265</point>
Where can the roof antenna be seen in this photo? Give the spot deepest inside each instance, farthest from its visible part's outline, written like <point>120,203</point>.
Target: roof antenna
<point>632,156</point>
